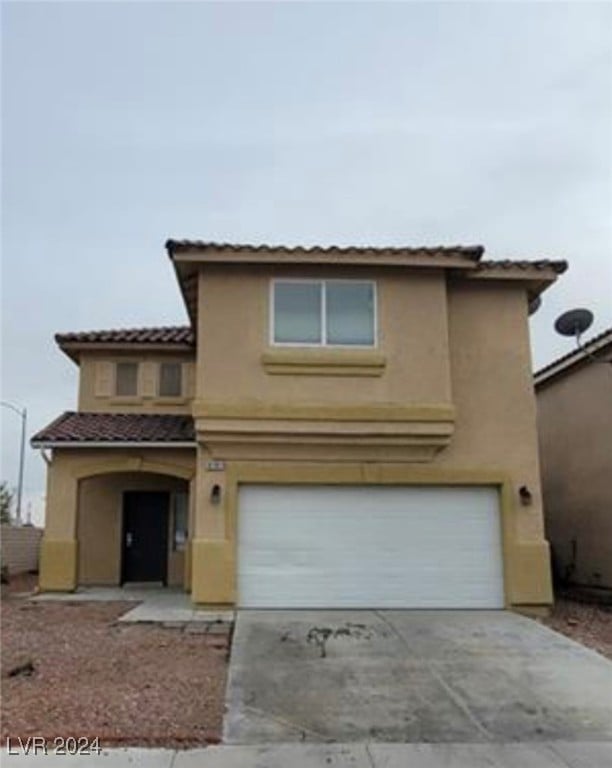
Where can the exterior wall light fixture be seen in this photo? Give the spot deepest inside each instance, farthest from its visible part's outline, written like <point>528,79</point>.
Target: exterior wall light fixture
<point>215,494</point>
<point>525,495</point>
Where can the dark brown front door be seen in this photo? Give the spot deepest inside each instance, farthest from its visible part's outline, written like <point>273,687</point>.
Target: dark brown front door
<point>145,536</point>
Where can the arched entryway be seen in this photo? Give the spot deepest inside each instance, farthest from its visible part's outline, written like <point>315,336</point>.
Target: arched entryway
<point>84,527</point>
<point>132,527</point>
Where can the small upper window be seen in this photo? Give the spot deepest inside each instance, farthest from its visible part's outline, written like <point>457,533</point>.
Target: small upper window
<point>126,379</point>
<point>170,380</point>
<point>324,313</point>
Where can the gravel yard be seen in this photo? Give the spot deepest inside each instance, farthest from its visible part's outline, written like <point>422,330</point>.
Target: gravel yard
<point>587,623</point>
<point>68,669</point>
<point>78,673</point>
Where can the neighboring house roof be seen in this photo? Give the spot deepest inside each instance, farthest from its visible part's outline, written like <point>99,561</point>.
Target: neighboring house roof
<point>73,429</point>
<point>465,259</point>
<point>598,346</point>
<point>176,338</point>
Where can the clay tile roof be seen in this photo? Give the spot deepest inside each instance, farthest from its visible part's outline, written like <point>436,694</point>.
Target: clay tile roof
<point>72,427</point>
<point>602,339</point>
<point>557,266</point>
<point>473,252</point>
<point>181,334</point>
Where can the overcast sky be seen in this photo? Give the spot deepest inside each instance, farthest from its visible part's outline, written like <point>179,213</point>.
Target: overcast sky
<point>126,123</point>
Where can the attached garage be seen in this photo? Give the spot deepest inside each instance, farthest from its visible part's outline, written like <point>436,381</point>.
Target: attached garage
<point>368,546</point>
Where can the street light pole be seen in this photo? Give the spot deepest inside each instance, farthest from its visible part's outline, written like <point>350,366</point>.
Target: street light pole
<point>23,414</point>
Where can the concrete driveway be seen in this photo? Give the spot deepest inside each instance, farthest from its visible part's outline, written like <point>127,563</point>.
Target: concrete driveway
<point>412,676</point>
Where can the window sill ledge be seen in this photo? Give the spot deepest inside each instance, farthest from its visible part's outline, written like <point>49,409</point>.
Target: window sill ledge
<point>329,362</point>
<point>161,400</point>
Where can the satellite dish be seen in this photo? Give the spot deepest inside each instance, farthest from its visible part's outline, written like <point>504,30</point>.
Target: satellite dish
<point>535,305</point>
<point>574,323</point>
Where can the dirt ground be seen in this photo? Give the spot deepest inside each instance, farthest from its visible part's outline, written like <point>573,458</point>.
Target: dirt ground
<point>587,623</point>
<point>78,673</point>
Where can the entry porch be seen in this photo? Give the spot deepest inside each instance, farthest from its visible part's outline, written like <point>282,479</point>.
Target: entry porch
<point>118,518</point>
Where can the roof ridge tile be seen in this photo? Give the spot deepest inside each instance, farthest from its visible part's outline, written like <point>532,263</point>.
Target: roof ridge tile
<point>475,252</point>
<point>164,334</point>
<point>88,426</point>
<point>558,265</point>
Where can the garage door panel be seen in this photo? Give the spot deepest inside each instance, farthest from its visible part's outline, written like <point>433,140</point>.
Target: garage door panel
<point>369,546</point>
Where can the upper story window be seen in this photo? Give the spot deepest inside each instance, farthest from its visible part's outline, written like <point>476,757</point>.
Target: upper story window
<point>170,380</point>
<point>126,379</point>
<point>324,313</point>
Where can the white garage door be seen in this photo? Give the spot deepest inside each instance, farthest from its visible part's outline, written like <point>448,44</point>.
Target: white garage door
<point>369,547</point>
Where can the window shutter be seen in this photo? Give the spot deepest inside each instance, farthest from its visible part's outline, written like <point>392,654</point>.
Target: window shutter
<point>148,382</point>
<point>189,371</point>
<point>104,378</point>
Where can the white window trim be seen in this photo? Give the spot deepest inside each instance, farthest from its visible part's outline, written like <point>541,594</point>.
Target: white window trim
<point>323,283</point>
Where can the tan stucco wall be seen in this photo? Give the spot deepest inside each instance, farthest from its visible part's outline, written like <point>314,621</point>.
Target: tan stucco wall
<point>446,397</point>
<point>233,315</point>
<point>97,383</point>
<point>91,480</point>
<point>99,525</point>
<point>495,426</point>
<point>460,344</point>
<point>575,428</point>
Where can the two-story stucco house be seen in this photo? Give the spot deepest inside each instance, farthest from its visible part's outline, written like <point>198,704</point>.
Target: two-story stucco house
<point>337,427</point>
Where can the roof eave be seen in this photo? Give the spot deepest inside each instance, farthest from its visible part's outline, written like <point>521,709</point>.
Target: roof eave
<point>175,247</point>
<point>73,349</point>
<point>535,279</point>
<point>112,444</point>
<point>454,259</point>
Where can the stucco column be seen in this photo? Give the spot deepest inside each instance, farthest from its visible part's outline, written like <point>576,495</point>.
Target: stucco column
<point>212,567</point>
<point>59,548</point>
<point>191,536</point>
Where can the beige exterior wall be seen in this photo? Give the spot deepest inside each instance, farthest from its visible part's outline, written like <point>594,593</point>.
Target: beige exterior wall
<point>575,428</point>
<point>445,397</point>
<point>453,403</point>
<point>412,340</point>
<point>493,393</point>
<point>97,383</point>
<point>81,543</point>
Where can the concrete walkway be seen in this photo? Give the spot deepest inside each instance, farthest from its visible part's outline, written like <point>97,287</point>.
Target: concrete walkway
<point>556,754</point>
<point>163,605</point>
